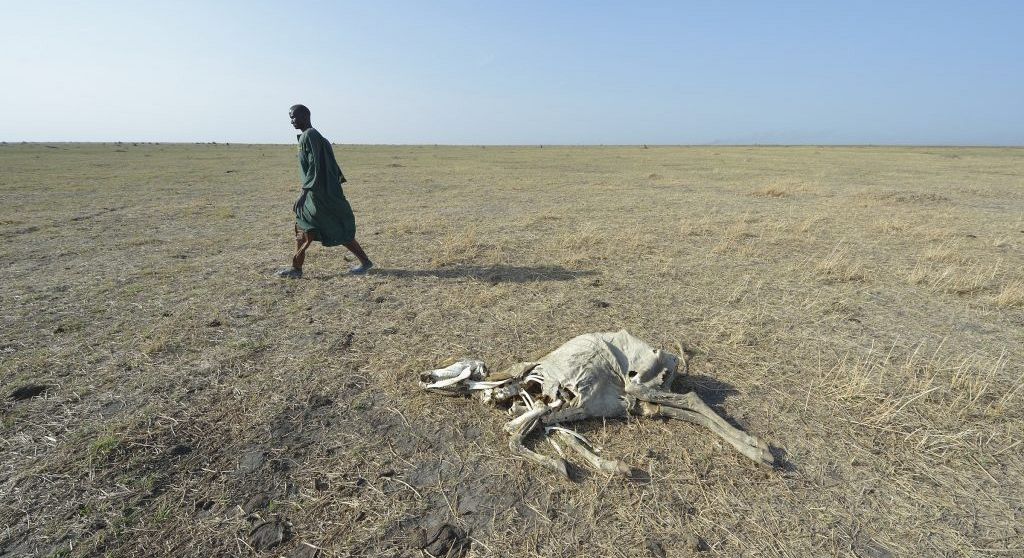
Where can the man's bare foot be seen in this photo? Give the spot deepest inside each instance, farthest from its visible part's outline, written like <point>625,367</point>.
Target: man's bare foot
<point>289,273</point>
<point>361,269</point>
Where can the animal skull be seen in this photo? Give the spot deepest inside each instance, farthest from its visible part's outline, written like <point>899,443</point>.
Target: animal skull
<point>592,375</point>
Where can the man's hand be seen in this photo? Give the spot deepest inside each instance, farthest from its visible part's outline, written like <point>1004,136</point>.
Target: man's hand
<point>301,201</point>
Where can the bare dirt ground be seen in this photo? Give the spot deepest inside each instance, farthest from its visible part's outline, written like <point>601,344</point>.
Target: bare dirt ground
<point>861,309</point>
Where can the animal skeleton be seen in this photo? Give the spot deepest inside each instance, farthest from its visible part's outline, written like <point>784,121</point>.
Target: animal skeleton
<point>593,375</point>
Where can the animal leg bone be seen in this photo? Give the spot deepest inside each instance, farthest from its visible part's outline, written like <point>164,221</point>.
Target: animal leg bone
<point>757,452</point>
<point>458,379</point>
<point>522,425</point>
<point>610,466</point>
<point>694,409</point>
<point>692,402</point>
<point>450,380</point>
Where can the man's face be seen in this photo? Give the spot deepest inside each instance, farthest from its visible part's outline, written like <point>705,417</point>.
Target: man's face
<point>298,119</point>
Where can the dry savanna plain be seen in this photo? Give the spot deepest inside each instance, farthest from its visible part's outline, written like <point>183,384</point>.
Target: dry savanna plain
<point>861,309</point>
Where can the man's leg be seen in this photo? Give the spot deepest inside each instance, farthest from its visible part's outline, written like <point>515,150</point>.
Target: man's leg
<point>302,241</point>
<point>364,261</point>
<point>357,250</point>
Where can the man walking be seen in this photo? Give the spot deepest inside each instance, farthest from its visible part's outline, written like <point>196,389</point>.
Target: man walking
<point>321,213</point>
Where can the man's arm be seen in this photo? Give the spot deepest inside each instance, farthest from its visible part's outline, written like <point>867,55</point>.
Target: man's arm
<point>309,147</point>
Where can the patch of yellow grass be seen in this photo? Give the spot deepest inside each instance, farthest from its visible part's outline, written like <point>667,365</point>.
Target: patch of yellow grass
<point>738,231</point>
<point>734,237</point>
<point>889,387</point>
<point>934,233</point>
<point>840,266</point>
<point>946,253</point>
<point>457,246</point>
<point>408,226</point>
<point>702,226</point>
<point>223,213</point>
<point>890,226</point>
<point>491,296</point>
<point>771,192</point>
<point>961,279</point>
<point>811,223</point>
<point>1011,295</point>
<point>780,188</point>
<point>581,244</point>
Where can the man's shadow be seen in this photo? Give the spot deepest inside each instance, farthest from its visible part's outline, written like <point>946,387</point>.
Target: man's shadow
<point>493,274</point>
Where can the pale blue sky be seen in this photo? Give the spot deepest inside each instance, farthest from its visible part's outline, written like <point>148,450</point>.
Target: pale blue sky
<point>554,72</point>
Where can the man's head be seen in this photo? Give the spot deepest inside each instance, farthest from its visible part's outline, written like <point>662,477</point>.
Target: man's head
<point>299,115</point>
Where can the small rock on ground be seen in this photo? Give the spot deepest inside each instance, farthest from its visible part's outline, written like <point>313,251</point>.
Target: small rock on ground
<point>268,534</point>
<point>446,542</point>
<point>28,391</point>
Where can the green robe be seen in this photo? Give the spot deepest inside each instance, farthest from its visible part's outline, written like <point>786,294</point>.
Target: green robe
<point>322,208</point>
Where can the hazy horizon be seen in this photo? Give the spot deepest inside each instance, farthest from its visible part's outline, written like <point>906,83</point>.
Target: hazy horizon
<point>532,73</point>
<point>536,145</point>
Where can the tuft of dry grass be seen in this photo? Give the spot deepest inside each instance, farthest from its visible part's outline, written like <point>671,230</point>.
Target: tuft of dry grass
<point>781,188</point>
<point>890,226</point>
<point>965,278</point>
<point>584,239</point>
<point>949,253</point>
<point>1011,295</point>
<point>770,192</point>
<point>840,266</point>
<point>460,244</point>
<point>701,226</point>
<point>810,223</point>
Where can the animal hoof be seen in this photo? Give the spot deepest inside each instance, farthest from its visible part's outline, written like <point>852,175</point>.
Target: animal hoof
<point>558,466</point>
<point>616,467</point>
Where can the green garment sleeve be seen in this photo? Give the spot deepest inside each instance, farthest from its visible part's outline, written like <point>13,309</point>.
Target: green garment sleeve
<point>320,170</point>
<point>307,162</point>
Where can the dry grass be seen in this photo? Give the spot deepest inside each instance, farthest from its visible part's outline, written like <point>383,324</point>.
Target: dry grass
<point>862,313</point>
<point>781,188</point>
<point>965,278</point>
<point>839,265</point>
<point>1011,295</point>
